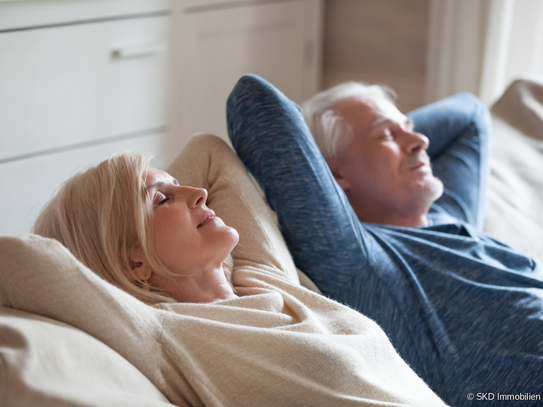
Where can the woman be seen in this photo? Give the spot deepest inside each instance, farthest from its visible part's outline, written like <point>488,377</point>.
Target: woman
<point>263,340</point>
<point>143,208</point>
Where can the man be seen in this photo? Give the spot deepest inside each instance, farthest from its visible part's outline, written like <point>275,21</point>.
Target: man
<point>464,310</point>
<point>375,154</point>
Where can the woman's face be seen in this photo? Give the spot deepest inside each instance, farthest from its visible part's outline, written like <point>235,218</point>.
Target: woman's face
<point>188,237</point>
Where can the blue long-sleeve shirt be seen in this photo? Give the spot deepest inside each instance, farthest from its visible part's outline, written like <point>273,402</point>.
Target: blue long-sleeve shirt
<point>463,309</point>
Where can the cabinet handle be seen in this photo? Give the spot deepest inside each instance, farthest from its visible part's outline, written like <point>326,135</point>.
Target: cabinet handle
<point>140,50</point>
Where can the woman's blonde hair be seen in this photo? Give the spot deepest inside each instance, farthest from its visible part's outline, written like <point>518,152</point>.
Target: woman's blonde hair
<point>102,215</point>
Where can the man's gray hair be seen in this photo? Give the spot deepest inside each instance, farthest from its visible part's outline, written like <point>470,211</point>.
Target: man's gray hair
<point>330,131</point>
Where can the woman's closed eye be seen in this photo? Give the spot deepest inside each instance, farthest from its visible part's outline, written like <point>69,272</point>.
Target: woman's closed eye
<point>160,199</point>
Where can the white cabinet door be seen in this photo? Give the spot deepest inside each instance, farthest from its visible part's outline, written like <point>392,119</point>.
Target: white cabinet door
<point>79,81</point>
<point>27,185</point>
<point>68,85</point>
<point>216,46</point>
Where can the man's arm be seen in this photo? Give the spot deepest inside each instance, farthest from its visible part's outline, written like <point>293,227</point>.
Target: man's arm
<point>321,229</point>
<point>459,129</point>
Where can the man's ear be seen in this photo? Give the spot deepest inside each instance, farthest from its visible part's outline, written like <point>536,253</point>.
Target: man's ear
<point>337,172</point>
<point>140,267</point>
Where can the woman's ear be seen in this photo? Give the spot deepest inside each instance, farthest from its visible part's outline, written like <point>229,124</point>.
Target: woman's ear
<point>335,167</point>
<point>140,267</point>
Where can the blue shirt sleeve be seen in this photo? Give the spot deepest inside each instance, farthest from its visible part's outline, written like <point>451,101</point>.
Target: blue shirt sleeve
<point>459,130</point>
<point>319,225</point>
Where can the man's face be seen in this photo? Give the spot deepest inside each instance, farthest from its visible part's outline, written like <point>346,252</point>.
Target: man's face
<point>384,169</point>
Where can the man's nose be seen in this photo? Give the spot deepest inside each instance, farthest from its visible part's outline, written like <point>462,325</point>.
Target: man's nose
<point>417,141</point>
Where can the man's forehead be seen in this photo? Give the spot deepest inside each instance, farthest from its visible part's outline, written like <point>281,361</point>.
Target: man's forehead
<point>370,111</point>
<point>355,102</point>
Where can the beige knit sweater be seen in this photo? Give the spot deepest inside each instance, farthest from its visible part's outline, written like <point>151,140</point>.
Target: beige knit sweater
<point>278,344</point>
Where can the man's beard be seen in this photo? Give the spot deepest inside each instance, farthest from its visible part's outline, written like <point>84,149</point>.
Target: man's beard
<point>431,189</point>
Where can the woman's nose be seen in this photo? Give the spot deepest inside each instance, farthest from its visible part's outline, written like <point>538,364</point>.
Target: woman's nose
<point>198,197</point>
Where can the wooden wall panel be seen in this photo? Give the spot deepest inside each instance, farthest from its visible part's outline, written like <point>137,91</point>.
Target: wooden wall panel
<point>379,41</point>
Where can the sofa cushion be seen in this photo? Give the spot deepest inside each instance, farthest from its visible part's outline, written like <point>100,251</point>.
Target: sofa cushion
<point>44,362</point>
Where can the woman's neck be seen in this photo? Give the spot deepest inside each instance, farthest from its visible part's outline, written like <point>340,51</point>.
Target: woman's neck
<point>208,286</point>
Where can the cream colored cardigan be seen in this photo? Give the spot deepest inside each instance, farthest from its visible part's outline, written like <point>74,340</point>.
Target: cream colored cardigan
<point>278,344</point>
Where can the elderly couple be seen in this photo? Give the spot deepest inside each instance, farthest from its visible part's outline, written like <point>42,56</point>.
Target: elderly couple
<point>383,211</point>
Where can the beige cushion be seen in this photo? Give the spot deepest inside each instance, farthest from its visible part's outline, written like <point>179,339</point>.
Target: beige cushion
<point>515,189</point>
<point>48,363</point>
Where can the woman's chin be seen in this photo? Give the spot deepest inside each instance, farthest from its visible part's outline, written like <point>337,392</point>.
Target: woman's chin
<point>228,238</point>
<point>233,236</point>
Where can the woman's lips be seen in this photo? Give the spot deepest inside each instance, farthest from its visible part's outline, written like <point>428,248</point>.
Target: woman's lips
<point>208,217</point>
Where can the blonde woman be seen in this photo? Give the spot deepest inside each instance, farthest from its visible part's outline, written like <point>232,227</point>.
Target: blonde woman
<point>143,231</point>
<point>202,335</point>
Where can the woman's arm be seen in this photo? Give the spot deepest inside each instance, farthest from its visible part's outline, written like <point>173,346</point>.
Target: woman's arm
<point>41,276</point>
<point>208,162</point>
